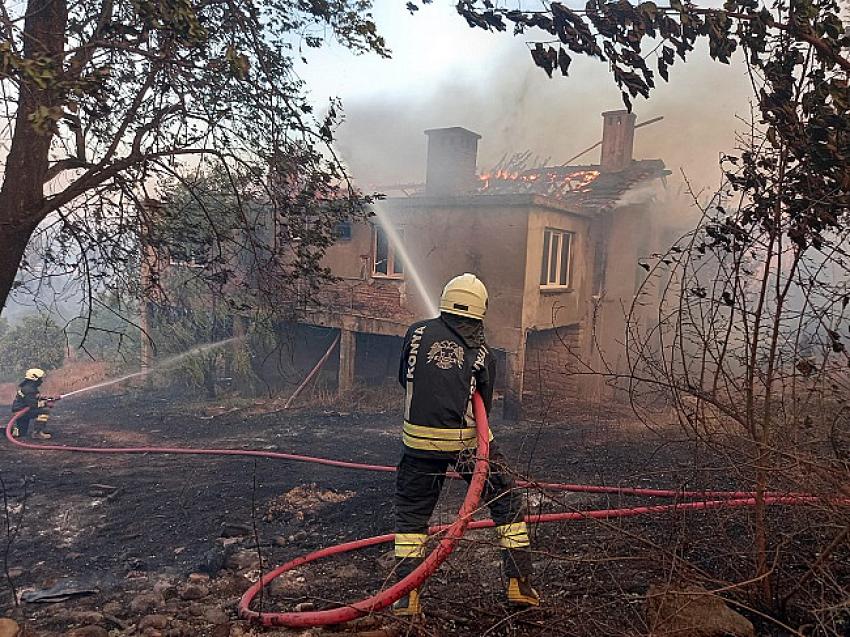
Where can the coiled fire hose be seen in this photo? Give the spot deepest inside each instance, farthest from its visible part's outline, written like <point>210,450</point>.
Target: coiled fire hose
<point>452,532</point>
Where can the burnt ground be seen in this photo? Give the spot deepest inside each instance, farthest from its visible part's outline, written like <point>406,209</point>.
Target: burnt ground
<point>167,517</point>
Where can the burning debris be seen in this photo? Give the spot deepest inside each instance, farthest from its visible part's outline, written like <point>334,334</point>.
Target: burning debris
<point>557,181</point>
<point>525,173</point>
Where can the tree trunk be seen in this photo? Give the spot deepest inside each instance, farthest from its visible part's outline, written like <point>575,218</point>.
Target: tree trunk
<point>210,367</point>
<point>22,194</point>
<point>13,244</point>
<point>760,531</point>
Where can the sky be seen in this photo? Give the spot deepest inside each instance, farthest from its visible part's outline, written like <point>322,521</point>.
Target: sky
<point>443,73</point>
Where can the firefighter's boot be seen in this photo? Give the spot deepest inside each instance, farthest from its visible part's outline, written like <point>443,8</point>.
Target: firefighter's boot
<point>522,593</point>
<point>409,605</point>
<point>409,549</point>
<point>16,432</point>
<point>518,565</point>
<point>38,432</point>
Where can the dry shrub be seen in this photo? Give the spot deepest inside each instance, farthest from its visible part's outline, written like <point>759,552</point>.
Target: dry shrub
<point>74,375</point>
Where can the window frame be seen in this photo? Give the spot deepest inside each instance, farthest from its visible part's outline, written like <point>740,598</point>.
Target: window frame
<point>343,231</point>
<point>191,262</point>
<point>391,255</point>
<point>549,234</point>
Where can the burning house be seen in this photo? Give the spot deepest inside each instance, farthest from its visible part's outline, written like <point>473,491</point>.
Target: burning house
<point>558,247</point>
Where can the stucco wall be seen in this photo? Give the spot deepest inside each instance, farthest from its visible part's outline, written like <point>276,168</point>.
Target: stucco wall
<point>498,238</point>
<point>545,308</point>
<point>628,239</point>
<point>350,258</point>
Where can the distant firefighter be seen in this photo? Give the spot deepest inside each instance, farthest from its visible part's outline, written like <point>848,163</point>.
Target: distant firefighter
<point>29,397</point>
<point>444,361</point>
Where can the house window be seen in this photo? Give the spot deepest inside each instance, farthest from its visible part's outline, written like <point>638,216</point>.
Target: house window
<point>189,256</point>
<point>343,231</point>
<point>386,263</point>
<point>555,268</point>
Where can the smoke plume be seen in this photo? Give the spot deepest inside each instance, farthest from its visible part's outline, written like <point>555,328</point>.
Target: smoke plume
<point>516,108</point>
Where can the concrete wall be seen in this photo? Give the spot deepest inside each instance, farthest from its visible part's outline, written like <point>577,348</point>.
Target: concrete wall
<point>499,238</point>
<point>550,370</point>
<point>449,236</point>
<point>350,258</point>
<point>445,241</point>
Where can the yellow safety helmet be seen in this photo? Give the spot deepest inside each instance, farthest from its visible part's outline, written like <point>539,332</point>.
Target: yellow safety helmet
<point>34,374</point>
<point>465,295</point>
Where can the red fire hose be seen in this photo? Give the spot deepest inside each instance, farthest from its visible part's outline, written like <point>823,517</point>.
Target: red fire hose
<point>453,532</point>
<point>278,455</point>
<point>390,595</point>
<point>275,455</point>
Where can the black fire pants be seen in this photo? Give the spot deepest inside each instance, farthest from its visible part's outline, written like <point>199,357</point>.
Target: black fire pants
<point>418,485</point>
<point>34,414</point>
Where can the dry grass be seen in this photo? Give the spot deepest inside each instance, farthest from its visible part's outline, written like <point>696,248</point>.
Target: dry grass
<point>360,399</point>
<point>71,376</point>
<point>75,375</point>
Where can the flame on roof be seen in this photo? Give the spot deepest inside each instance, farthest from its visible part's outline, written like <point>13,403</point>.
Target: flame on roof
<point>555,182</point>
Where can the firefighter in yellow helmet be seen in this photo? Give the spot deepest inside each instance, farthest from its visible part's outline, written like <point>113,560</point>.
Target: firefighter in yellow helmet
<point>29,397</point>
<point>444,361</point>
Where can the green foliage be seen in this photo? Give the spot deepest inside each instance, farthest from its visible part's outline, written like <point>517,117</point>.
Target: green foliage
<point>34,342</point>
<point>201,349</point>
<point>129,93</point>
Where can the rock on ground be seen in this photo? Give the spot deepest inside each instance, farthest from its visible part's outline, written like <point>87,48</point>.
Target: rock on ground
<point>221,630</point>
<point>216,616</point>
<point>192,592</point>
<point>8,628</point>
<point>243,560</point>
<point>693,611</point>
<point>153,621</point>
<point>146,602</point>
<point>89,631</point>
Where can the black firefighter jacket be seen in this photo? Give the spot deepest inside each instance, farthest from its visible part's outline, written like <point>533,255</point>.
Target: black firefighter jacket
<point>444,361</point>
<point>27,395</point>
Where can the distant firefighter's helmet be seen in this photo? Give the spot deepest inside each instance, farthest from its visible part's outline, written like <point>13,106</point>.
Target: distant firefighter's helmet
<point>465,295</point>
<point>34,374</point>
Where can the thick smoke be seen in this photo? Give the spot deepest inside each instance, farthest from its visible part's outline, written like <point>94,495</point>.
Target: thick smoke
<point>516,108</point>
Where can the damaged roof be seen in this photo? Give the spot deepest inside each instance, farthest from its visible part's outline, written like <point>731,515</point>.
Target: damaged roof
<point>584,186</point>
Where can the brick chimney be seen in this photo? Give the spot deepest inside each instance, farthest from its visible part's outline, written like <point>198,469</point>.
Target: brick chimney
<point>452,158</point>
<point>618,136</point>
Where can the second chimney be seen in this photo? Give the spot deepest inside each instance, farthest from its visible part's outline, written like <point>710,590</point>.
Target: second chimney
<point>618,136</point>
<point>452,159</point>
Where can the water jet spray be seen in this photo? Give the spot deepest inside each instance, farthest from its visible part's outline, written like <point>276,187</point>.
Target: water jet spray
<point>166,362</point>
<point>409,267</point>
